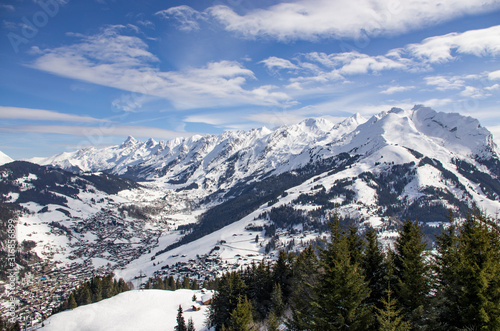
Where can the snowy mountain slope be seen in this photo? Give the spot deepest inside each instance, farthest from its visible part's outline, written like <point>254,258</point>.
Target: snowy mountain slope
<point>60,213</point>
<point>132,310</point>
<point>5,158</point>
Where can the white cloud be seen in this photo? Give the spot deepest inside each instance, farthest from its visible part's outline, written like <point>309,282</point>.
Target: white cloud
<point>275,63</point>
<point>397,89</point>
<point>313,19</point>
<point>443,83</point>
<point>43,115</point>
<point>146,23</point>
<point>124,62</point>
<point>100,131</point>
<point>435,102</point>
<point>357,63</point>
<point>471,86</point>
<point>474,92</point>
<point>493,87</point>
<point>494,75</point>
<point>473,42</point>
<point>323,68</point>
<point>273,119</point>
<point>186,17</point>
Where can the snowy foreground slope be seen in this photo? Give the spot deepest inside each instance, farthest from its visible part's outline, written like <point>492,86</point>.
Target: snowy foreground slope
<point>131,311</point>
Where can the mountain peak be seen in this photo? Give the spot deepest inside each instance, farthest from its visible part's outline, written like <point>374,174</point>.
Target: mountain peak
<point>129,142</point>
<point>150,143</point>
<point>5,158</point>
<point>318,123</point>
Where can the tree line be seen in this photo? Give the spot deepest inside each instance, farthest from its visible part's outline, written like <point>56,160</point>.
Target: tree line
<point>94,290</point>
<point>352,283</point>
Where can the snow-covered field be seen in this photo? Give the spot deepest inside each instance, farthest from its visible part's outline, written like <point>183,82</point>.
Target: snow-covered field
<point>133,310</point>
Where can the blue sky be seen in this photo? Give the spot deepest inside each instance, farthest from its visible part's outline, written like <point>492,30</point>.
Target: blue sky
<point>78,73</point>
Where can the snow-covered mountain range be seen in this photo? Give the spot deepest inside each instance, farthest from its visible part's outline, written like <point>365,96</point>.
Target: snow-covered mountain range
<point>203,205</point>
<point>399,164</point>
<point>215,162</point>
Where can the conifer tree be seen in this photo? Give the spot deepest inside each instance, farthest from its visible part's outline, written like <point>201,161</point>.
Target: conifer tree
<point>272,322</point>
<point>96,289</point>
<point>375,268</point>
<point>158,284</point>
<point>107,287</point>
<point>87,297</point>
<point>304,280</point>
<point>277,304</point>
<point>186,282</point>
<point>356,245</point>
<point>411,273</point>
<point>190,326</point>
<point>242,315</point>
<point>389,318</point>
<point>229,290</point>
<point>72,302</point>
<point>342,290</point>
<point>171,283</point>
<point>469,274</point>
<point>258,281</point>
<point>122,286</point>
<point>181,323</point>
<point>282,273</point>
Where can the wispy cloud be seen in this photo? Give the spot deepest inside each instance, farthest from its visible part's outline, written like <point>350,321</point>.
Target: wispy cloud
<point>186,17</point>
<point>318,67</point>
<point>396,89</point>
<point>274,63</point>
<point>439,49</point>
<point>100,131</point>
<point>43,115</point>
<point>443,83</point>
<point>124,62</point>
<point>313,19</point>
<point>476,86</point>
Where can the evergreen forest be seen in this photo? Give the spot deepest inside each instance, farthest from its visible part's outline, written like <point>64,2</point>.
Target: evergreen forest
<point>352,283</point>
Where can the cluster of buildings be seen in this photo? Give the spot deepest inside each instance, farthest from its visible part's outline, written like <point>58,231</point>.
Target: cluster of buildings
<point>98,245</point>
<point>45,289</point>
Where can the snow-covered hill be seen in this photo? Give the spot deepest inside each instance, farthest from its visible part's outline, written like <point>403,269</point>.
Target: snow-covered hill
<point>133,310</point>
<point>5,158</point>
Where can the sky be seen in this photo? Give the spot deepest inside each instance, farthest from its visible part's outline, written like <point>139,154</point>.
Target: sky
<point>77,73</point>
